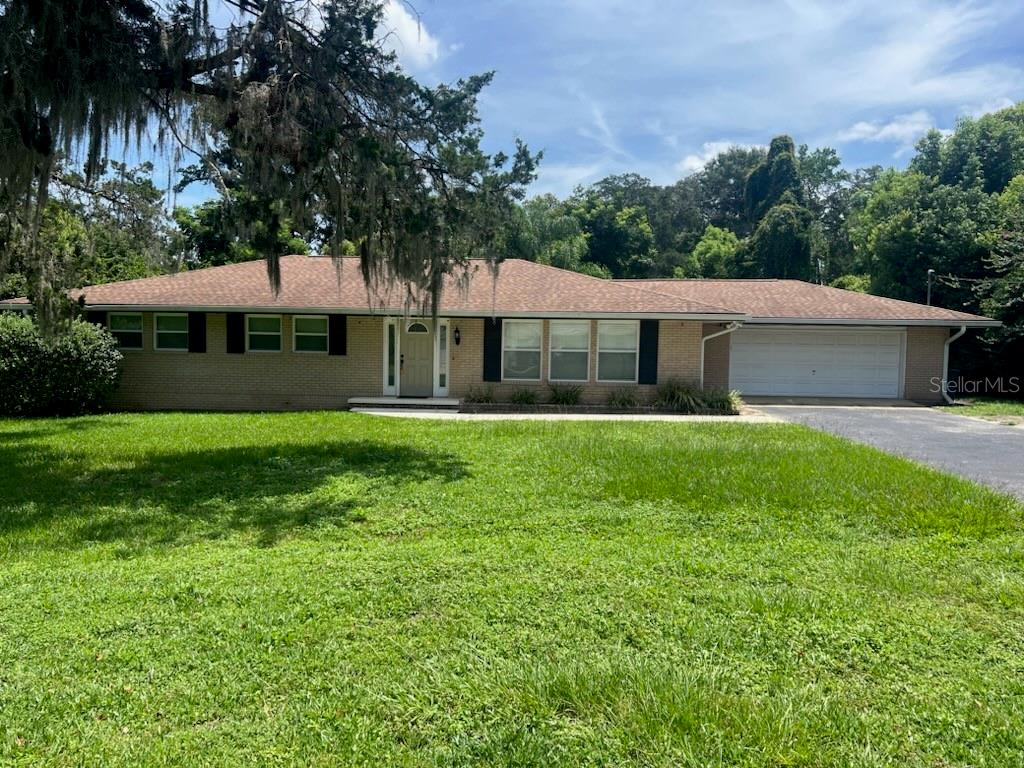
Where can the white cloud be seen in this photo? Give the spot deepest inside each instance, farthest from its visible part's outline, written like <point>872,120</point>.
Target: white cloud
<point>656,127</point>
<point>902,129</point>
<point>708,151</point>
<point>601,133</point>
<point>905,130</point>
<point>994,105</point>
<point>416,48</point>
<point>561,179</point>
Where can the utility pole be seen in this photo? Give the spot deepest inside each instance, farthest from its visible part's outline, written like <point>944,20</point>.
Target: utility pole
<point>931,276</point>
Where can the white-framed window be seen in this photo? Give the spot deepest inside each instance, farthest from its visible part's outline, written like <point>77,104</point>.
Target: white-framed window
<point>569,350</point>
<point>520,350</point>
<point>390,356</point>
<point>263,333</point>
<point>170,332</point>
<point>309,333</point>
<point>442,358</point>
<point>618,344</point>
<point>126,327</point>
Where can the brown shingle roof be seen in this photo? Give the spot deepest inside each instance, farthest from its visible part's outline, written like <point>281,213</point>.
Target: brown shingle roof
<point>797,301</point>
<point>315,283</point>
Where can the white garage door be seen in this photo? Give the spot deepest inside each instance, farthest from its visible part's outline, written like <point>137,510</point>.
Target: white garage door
<point>816,363</point>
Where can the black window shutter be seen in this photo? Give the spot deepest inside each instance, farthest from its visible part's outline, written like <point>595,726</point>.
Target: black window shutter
<point>648,352</point>
<point>96,316</point>
<point>492,349</point>
<point>337,335</point>
<point>196,331</point>
<point>235,333</point>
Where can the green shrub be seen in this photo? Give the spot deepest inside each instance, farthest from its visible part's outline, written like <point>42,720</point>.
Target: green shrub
<point>523,397</point>
<point>720,400</point>
<point>74,372</point>
<point>566,395</point>
<point>623,398</point>
<point>675,395</point>
<point>681,397</point>
<point>480,395</point>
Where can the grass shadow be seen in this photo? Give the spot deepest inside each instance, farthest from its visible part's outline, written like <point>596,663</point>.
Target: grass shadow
<point>169,497</point>
<point>31,428</point>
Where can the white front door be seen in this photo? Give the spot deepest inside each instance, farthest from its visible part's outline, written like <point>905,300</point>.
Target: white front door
<point>816,362</point>
<point>416,361</point>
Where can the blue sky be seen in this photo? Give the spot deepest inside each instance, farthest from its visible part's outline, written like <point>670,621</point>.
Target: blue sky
<point>656,87</point>
<point>607,86</point>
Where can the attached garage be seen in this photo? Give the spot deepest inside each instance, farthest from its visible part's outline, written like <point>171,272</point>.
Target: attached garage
<point>806,340</point>
<point>818,362</point>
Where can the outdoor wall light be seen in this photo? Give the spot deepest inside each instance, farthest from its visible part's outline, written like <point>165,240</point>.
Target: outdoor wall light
<point>457,336</point>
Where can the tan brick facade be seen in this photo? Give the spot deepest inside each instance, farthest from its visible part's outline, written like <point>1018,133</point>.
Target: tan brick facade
<point>925,347</point>
<point>286,380</point>
<point>678,350</point>
<point>716,357</point>
<point>216,380</point>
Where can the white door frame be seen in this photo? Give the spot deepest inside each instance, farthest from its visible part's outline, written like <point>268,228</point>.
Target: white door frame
<point>442,351</point>
<point>441,331</point>
<point>391,326</point>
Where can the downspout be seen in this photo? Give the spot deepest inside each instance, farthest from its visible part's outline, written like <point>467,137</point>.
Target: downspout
<point>728,329</point>
<point>945,362</point>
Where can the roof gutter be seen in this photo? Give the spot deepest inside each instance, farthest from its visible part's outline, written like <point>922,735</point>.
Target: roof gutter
<point>945,363</point>
<point>728,329</point>
<point>876,322</point>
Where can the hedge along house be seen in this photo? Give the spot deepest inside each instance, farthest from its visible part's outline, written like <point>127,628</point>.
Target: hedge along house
<point>219,338</point>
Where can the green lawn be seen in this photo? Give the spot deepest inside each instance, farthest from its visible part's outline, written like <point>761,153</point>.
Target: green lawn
<point>335,589</point>
<point>1004,411</point>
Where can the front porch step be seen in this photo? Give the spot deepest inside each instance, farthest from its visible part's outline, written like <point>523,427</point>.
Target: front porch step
<point>405,403</point>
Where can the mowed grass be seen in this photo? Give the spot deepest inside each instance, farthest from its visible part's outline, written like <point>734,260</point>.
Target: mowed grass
<point>337,589</point>
<point>993,409</point>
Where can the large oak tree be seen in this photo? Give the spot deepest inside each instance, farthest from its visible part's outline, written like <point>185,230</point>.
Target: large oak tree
<point>300,104</point>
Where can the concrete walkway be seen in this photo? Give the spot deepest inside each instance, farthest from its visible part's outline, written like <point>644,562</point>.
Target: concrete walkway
<point>988,453</point>
<point>750,417</point>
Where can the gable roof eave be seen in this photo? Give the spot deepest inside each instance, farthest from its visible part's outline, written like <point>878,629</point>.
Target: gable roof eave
<point>710,316</point>
<point>797,302</point>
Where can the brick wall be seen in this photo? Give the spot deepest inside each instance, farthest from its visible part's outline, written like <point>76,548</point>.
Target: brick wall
<point>678,351</point>
<point>716,357</point>
<point>924,363</point>
<point>283,380</point>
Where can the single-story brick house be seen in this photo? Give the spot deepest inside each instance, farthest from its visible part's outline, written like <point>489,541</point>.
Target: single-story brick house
<point>219,338</point>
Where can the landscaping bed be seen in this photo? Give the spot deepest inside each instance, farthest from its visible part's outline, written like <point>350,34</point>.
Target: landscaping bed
<point>671,397</point>
<point>582,408</point>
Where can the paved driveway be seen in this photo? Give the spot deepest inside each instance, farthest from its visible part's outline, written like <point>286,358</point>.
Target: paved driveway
<point>985,452</point>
